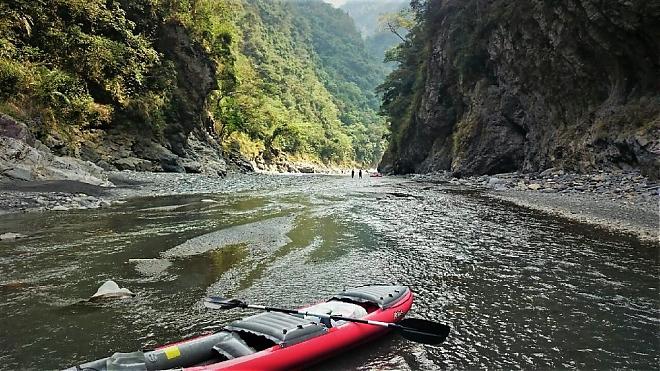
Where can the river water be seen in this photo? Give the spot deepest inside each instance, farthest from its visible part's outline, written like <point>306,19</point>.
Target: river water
<point>520,289</point>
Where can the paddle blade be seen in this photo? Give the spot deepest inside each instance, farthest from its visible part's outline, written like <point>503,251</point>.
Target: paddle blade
<point>423,331</point>
<point>216,302</point>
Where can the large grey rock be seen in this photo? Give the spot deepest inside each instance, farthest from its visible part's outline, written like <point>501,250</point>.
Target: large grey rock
<point>20,161</point>
<point>157,154</point>
<point>19,172</point>
<point>204,155</point>
<point>133,164</point>
<point>11,128</point>
<point>192,166</point>
<point>241,163</point>
<point>306,169</point>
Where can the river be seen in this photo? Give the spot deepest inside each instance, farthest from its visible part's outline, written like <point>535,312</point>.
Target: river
<point>520,289</point>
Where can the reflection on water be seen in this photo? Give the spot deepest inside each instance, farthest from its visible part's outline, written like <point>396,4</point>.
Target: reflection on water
<point>520,289</point>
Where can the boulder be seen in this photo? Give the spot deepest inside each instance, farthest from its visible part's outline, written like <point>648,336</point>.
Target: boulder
<point>14,129</point>
<point>18,172</point>
<point>534,186</point>
<point>111,291</point>
<point>192,166</point>
<point>157,154</point>
<point>133,164</point>
<point>494,182</point>
<point>172,164</point>
<point>242,163</point>
<point>20,161</point>
<point>204,149</point>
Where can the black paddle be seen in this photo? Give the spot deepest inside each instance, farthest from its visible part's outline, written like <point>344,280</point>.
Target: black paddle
<point>414,329</point>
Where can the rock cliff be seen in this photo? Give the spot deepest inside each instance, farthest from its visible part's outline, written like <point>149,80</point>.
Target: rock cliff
<point>185,144</point>
<point>505,86</point>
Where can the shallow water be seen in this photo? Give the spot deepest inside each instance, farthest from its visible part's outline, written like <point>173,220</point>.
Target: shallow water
<point>519,288</point>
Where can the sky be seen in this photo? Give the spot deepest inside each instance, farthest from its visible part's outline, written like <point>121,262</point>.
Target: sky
<point>336,3</point>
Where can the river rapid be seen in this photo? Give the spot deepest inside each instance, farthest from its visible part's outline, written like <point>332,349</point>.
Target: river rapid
<point>520,289</point>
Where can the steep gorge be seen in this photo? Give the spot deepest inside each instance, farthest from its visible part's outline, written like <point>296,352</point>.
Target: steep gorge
<point>180,86</point>
<point>485,87</point>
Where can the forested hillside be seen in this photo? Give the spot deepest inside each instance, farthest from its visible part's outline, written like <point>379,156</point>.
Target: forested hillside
<point>368,15</point>
<point>493,86</point>
<point>352,81</point>
<point>153,85</point>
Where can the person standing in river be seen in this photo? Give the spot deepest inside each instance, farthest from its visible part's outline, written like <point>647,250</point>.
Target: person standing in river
<point>352,173</point>
<point>360,173</point>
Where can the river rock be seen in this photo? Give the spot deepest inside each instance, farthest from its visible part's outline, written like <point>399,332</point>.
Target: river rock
<point>18,172</point>
<point>534,186</point>
<point>133,164</point>
<point>111,291</point>
<point>191,166</point>
<point>496,183</point>
<point>306,169</point>
<point>10,236</point>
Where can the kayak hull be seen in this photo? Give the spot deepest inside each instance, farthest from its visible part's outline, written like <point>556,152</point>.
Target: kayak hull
<point>272,340</point>
<point>334,341</point>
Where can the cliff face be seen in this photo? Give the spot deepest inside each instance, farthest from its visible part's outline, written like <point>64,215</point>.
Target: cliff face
<point>533,85</point>
<point>184,144</point>
<point>196,79</point>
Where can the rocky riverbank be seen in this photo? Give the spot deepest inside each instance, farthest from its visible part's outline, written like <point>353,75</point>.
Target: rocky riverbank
<point>623,201</point>
<point>64,195</point>
<point>36,176</point>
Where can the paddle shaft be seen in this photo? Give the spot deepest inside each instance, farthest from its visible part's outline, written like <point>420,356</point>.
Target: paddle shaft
<point>324,316</point>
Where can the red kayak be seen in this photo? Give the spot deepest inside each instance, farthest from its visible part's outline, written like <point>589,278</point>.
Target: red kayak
<point>278,341</point>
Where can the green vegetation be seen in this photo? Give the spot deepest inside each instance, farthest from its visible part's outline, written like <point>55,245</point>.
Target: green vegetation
<point>402,88</point>
<point>77,63</point>
<point>368,16</point>
<point>350,81</point>
<point>289,79</point>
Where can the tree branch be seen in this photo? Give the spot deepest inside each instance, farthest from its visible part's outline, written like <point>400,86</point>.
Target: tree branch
<point>394,31</point>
